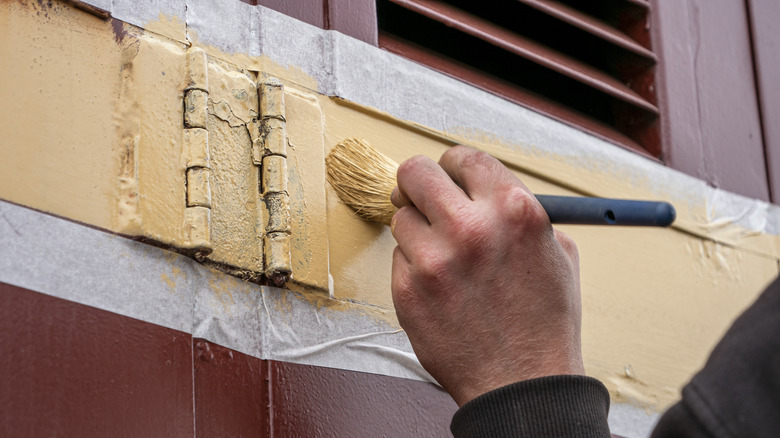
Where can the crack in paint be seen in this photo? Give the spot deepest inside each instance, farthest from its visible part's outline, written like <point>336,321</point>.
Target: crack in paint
<point>222,111</point>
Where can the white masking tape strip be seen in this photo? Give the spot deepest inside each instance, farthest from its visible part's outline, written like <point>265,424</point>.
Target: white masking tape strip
<point>81,264</point>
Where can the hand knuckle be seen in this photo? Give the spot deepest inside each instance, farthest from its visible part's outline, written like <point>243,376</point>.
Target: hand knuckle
<point>523,210</point>
<point>466,157</point>
<point>433,267</point>
<point>471,232</point>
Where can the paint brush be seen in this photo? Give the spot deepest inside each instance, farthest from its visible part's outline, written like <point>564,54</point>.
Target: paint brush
<point>364,178</point>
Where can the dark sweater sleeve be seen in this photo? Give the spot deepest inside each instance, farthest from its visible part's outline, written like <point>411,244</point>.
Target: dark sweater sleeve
<point>737,393</point>
<point>555,406</point>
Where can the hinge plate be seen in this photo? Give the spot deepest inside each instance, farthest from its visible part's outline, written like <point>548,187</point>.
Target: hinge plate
<point>240,184</point>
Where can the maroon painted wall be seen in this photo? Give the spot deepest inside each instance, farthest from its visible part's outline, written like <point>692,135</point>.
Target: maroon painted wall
<point>74,370</point>
<point>711,120</point>
<point>356,18</point>
<point>765,26</point>
<point>325,402</point>
<point>231,392</point>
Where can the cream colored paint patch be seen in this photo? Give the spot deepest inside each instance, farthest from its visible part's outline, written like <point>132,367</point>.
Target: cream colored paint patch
<point>655,302</point>
<point>157,74</point>
<point>59,114</point>
<point>94,124</point>
<point>306,183</point>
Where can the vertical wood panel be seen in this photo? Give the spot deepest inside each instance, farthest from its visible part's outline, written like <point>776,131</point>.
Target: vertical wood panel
<point>308,11</point>
<point>73,370</point>
<point>710,121</point>
<point>324,402</point>
<point>230,392</point>
<point>356,18</point>
<point>765,24</point>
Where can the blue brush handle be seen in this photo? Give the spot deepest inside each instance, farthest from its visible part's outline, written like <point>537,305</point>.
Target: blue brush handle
<point>603,211</point>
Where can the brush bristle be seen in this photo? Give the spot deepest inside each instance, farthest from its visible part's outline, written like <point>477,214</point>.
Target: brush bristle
<point>364,178</point>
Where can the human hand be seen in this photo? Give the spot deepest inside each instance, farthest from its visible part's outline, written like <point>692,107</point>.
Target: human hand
<point>486,290</point>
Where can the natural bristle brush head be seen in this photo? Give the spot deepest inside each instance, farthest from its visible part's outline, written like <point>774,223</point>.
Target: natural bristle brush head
<point>364,179</point>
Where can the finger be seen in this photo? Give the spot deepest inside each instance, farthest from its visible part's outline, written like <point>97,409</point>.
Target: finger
<point>399,199</point>
<point>425,184</point>
<point>477,173</point>
<point>410,229</point>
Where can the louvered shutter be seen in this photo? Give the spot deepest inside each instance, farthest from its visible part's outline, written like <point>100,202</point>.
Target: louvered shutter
<point>582,62</point>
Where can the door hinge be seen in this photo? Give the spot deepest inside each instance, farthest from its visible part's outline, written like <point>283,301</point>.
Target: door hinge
<point>195,157</point>
<point>269,151</point>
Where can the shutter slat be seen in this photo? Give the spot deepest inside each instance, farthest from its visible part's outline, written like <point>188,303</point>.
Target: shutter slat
<point>528,49</point>
<point>591,25</point>
<point>508,90</point>
<point>644,4</point>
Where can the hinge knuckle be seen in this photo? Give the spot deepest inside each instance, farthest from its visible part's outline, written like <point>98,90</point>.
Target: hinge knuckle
<point>277,251</point>
<point>279,220</point>
<point>271,94</point>
<point>273,156</point>
<point>274,137</point>
<point>198,189</point>
<point>197,225</point>
<point>195,157</point>
<point>195,108</point>
<point>197,70</point>
<point>196,148</point>
<point>274,174</point>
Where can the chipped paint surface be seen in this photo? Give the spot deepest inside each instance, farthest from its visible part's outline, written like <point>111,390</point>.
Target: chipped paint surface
<point>105,148</point>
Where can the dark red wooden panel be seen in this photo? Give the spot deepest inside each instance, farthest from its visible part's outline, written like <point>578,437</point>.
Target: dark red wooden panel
<point>356,18</point>
<point>710,114</point>
<point>308,11</point>
<point>231,397</point>
<point>765,24</point>
<point>74,370</point>
<point>323,402</point>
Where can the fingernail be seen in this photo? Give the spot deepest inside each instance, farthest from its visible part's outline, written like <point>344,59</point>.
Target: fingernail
<point>392,227</point>
<point>394,196</point>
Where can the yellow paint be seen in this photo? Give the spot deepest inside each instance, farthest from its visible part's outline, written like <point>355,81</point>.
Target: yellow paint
<point>224,286</point>
<point>92,126</point>
<point>169,27</point>
<point>306,184</point>
<point>168,282</point>
<point>235,196</point>
<point>153,86</point>
<point>58,103</point>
